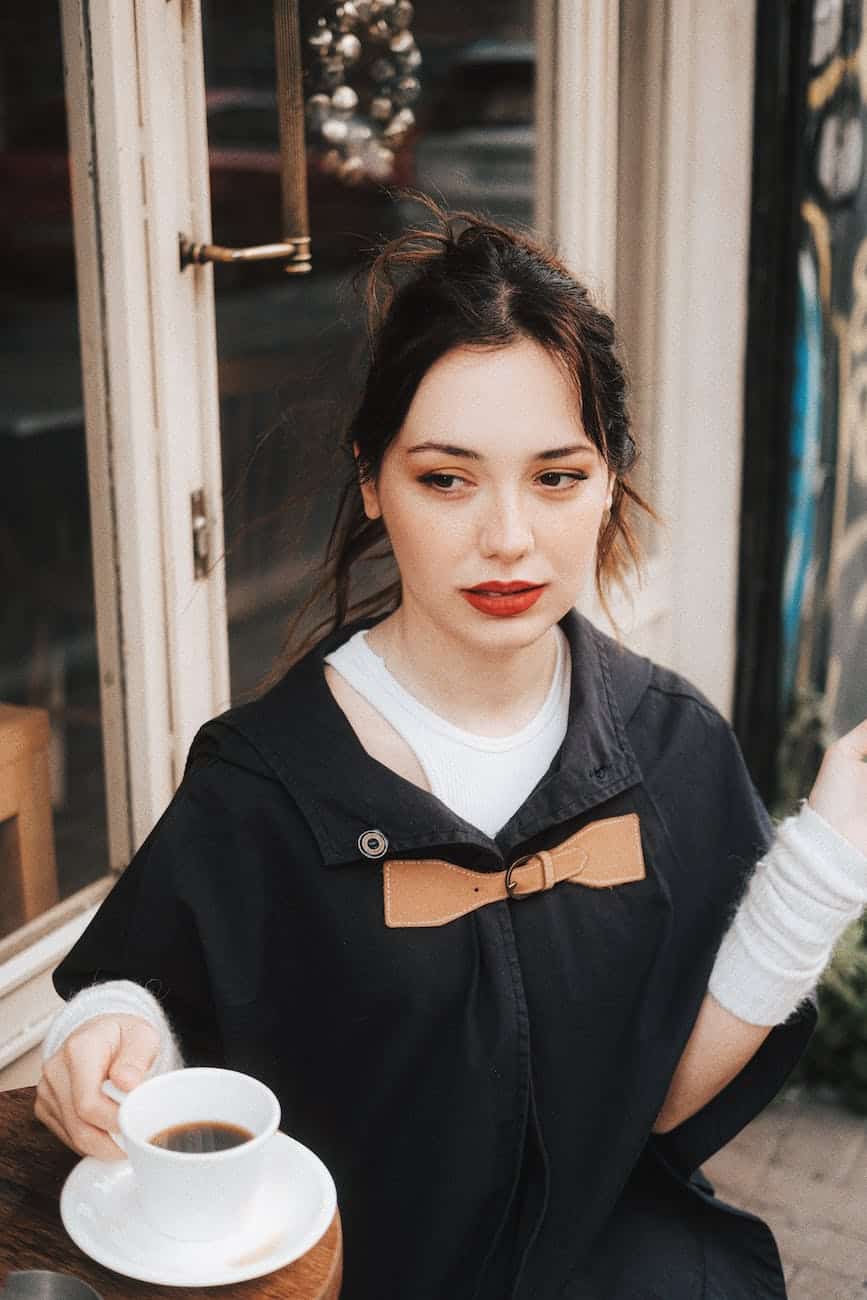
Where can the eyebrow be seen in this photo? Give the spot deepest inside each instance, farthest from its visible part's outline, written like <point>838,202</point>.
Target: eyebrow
<point>448,449</point>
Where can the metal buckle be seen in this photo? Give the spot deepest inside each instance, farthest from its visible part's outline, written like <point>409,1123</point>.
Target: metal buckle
<point>512,885</point>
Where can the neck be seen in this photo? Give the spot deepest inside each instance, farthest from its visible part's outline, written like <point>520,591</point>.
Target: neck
<point>491,693</point>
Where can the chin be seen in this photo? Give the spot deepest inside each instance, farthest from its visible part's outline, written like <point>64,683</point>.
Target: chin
<point>515,632</point>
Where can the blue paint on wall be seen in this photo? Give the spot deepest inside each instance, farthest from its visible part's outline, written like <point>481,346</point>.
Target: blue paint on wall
<point>805,474</point>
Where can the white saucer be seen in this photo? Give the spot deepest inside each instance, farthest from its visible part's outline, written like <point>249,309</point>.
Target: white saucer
<point>293,1209</point>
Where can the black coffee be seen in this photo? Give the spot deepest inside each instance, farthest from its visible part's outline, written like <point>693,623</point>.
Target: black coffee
<point>201,1137</point>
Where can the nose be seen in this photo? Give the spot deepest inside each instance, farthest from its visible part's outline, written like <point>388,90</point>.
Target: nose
<point>505,531</point>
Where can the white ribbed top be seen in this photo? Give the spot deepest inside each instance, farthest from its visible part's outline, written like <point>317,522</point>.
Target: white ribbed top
<point>483,779</point>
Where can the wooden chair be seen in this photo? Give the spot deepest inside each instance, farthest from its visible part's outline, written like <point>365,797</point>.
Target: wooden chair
<point>28,870</point>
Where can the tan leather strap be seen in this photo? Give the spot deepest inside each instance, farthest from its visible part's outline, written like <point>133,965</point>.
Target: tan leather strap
<point>431,891</point>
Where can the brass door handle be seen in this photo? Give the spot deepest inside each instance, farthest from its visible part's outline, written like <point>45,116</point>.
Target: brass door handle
<point>294,248</point>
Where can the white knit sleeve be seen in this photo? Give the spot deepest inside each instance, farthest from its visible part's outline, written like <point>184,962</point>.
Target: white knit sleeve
<point>119,997</point>
<point>803,894</point>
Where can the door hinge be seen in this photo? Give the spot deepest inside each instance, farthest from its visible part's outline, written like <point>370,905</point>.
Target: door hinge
<point>201,534</point>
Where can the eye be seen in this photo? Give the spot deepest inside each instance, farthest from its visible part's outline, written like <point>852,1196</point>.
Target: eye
<point>442,482</point>
<point>554,478</point>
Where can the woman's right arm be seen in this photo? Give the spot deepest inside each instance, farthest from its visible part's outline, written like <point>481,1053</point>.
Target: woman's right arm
<point>143,937</point>
<point>116,1032</point>
<point>173,923</point>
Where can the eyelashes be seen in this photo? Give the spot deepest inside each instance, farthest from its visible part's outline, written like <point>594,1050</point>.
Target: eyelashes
<point>443,483</point>
<point>436,480</point>
<point>574,475</point>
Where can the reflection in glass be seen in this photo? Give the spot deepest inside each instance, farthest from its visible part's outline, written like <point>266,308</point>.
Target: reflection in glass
<point>52,792</point>
<point>291,349</point>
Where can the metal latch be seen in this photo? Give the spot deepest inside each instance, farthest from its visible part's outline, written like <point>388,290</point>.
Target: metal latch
<point>201,534</point>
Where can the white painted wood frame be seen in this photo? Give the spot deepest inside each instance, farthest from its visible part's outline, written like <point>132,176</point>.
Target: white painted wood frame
<point>679,205</point>
<point>576,127</point>
<point>150,378</point>
<point>698,427</point>
<point>139,166</point>
<point>183,420</point>
<point>155,414</point>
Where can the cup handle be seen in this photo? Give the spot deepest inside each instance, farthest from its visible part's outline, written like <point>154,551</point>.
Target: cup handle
<point>116,1094</point>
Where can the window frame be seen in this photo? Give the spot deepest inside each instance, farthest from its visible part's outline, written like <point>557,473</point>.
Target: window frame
<point>139,171</point>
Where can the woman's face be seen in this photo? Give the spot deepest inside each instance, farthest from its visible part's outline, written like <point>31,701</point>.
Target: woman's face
<point>493,497</point>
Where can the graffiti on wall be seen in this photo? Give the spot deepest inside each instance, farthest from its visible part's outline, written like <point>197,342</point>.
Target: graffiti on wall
<point>824,609</point>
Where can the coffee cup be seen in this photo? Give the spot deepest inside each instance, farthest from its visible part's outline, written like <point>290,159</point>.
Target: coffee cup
<point>196,1142</point>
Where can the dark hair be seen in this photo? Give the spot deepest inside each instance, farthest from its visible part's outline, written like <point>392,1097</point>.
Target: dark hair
<point>431,290</point>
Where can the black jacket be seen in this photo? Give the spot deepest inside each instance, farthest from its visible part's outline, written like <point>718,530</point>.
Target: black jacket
<point>484,1091</point>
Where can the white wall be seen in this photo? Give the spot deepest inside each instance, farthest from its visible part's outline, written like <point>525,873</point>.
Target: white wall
<point>683,246</point>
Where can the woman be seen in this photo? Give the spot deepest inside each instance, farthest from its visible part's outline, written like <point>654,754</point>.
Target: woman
<point>456,885</point>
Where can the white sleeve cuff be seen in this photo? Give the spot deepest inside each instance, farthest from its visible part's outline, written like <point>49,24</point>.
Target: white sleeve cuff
<point>808,888</point>
<point>119,997</point>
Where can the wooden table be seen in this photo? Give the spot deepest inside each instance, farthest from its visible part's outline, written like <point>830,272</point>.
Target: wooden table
<point>33,1168</point>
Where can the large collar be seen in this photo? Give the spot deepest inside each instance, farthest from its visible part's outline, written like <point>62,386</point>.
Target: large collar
<point>304,736</point>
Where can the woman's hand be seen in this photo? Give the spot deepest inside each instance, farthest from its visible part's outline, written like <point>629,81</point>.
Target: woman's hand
<point>840,792</point>
<point>69,1096</point>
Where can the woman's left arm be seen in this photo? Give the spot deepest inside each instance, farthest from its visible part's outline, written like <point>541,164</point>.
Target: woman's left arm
<point>802,896</point>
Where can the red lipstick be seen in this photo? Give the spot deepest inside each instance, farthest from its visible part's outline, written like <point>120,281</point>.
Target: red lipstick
<point>503,599</point>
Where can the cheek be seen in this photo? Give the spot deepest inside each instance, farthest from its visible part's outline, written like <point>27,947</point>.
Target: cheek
<point>404,521</point>
<point>421,538</point>
<point>428,548</point>
<point>576,534</point>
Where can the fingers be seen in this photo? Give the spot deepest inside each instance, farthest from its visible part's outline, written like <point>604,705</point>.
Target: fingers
<point>839,793</point>
<point>855,741</point>
<point>88,1054</point>
<point>136,1053</point>
<point>55,1109</point>
<point>70,1099</point>
<point>120,1048</point>
<point>47,1111</point>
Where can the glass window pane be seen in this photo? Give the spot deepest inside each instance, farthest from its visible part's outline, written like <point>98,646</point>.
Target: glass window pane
<point>291,349</point>
<point>52,789</point>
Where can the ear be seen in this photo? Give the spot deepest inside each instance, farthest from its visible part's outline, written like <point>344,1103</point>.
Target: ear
<point>612,479</point>
<point>369,494</point>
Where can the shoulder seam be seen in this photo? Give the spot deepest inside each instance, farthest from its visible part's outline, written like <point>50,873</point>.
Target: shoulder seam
<point>271,776</point>
<point>673,692</point>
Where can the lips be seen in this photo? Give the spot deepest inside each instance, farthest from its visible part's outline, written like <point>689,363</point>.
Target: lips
<point>505,588</point>
<point>503,599</point>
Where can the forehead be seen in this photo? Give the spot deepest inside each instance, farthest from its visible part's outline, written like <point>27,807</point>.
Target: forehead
<point>516,393</point>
